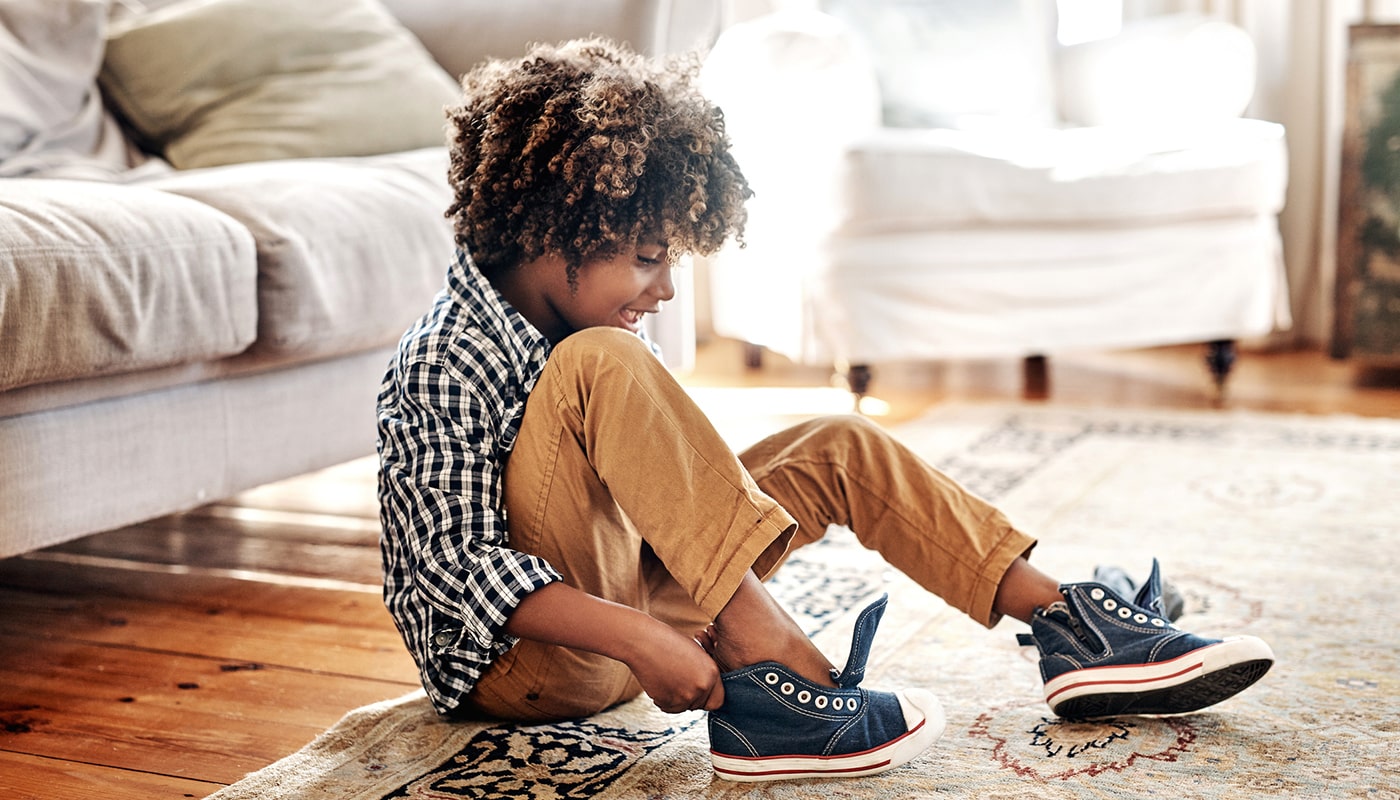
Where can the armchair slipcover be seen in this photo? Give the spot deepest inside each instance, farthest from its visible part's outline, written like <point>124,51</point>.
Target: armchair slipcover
<point>1123,203</point>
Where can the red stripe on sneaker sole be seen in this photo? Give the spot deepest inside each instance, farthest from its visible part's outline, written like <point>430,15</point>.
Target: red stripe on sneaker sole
<point>1162,675</point>
<point>1050,698</point>
<point>812,765</point>
<point>798,772</point>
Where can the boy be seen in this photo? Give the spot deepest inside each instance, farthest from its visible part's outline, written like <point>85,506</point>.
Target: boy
<point>563,529</point>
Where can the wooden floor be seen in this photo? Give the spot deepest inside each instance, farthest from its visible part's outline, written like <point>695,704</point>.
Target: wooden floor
<point>170,658</point>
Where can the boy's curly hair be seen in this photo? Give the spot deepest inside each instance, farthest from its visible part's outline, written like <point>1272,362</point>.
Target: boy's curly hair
<point>585,149</point>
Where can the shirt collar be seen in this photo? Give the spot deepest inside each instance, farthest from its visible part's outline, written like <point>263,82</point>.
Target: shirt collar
<point>473,291</point>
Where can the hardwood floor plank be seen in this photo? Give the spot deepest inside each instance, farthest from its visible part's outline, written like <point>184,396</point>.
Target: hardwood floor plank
<point>237,544</point>
<point>176,715</point>
<point>1296,381</point>
<point>194,587</point>
<point>24,777</point>
<point>332,633</point>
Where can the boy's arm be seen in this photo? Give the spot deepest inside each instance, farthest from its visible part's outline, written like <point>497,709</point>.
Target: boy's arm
<point>675,671</point>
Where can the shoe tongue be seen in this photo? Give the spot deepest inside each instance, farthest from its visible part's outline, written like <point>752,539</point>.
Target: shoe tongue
<point>861,639</point>
<point>1150,595</point>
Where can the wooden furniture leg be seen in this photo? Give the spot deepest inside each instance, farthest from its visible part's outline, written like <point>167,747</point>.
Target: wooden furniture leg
<point>1035,378</point>
<point>753,355</point>
<point>858,377</point>
<point>1220,359</point>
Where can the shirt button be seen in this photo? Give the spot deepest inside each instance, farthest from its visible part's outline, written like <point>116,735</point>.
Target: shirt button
<point>444,638</point>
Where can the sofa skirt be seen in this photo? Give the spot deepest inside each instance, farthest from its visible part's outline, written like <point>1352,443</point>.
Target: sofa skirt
<point>71,471</point>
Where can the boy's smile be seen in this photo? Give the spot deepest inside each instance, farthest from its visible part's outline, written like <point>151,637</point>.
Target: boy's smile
<point>615,292</point>
<point>632,318</point>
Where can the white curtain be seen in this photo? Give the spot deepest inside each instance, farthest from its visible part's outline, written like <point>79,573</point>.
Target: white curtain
<point>1302,47</point>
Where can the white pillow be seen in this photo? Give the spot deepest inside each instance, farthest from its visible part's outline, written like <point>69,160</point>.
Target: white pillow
<point>958,63</point>
<point>1169,71</point>
<point>51,114</point>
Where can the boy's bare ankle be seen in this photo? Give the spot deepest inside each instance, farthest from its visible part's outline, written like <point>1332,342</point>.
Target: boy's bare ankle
<point>736,650</point>
<point>752,628</point>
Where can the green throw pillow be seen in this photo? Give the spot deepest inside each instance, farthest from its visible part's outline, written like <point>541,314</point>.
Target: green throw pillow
<point>211,82</point>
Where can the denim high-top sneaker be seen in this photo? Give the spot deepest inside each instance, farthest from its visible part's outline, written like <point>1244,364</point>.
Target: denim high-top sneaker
<point>1103,655</point>
<point>775,725</point>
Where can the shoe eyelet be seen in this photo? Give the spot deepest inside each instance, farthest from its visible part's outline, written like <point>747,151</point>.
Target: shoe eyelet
<point>1159,623</point>
<point>1140,618</point>
<point>804,697</point>
<point>787,688</point>
<point>1110,604</point>
<point>838,703</point>
<point>1125,612</point>
<point>771,679</point>
<point>1097,594</point>
<point>821,701</point>
<point>850,704</point>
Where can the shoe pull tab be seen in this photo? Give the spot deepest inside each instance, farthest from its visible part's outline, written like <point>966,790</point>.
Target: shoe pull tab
<point>861,639</point>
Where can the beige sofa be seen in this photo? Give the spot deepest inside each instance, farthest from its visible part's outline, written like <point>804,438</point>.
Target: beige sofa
<point>179,328</point>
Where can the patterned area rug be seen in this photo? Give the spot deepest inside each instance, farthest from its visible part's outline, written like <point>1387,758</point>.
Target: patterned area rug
<point>1283,527</point>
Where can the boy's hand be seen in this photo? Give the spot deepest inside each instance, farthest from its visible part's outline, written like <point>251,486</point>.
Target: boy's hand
<point>677,673</point>
<point>675,670</point>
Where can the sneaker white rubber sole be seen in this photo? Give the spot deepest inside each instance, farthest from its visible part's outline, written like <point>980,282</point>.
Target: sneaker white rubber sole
<point>923,715</point>
<point>1187,683</point>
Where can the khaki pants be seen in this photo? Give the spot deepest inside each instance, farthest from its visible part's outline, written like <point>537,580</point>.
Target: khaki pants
<point>621,483</point>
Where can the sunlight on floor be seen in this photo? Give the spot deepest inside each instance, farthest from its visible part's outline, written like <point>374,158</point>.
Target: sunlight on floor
<point>781,401</point>
<point>745,414</point>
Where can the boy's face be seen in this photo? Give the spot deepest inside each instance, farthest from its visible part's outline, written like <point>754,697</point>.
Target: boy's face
<point>616,292</point>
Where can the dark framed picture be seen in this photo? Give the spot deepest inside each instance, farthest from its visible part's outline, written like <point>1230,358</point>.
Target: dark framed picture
<point>1367,303</point>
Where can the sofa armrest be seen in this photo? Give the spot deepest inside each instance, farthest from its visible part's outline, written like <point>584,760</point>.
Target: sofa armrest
<point>1170,70</point>
<point>462,33</point>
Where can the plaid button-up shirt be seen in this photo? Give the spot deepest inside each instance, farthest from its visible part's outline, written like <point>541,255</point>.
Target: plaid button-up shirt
<point>449,412</point>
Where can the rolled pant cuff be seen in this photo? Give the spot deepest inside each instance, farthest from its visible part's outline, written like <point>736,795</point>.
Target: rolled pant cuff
<point>1012,545</point>
<point>761,548</point>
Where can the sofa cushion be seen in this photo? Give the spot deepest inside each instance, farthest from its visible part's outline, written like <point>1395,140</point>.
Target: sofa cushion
<point>213,82</point>
<point>900,179</point>
<point>98,279</point>
<point>350,251</point>
<point>51,116</point>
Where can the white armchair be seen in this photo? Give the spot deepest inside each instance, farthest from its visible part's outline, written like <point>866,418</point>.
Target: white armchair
<point>925,193</point>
